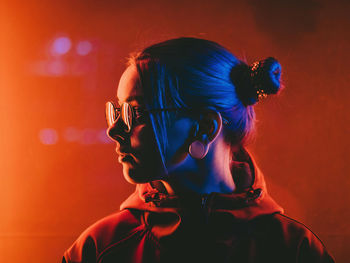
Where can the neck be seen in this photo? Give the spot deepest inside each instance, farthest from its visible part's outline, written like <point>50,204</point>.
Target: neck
<point>210,174</point>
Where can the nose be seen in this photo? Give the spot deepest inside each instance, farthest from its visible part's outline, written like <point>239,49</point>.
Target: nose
<point>117,132</point>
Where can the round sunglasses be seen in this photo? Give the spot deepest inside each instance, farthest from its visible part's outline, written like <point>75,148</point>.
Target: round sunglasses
<point>129,114</point>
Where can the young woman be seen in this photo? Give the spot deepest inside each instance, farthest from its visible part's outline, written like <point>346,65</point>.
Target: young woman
<point>183,116</point>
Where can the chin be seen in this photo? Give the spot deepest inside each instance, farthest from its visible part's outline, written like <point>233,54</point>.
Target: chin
<point>137,175</point>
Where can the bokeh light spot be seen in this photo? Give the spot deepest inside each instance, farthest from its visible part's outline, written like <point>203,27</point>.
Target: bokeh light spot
<point>102,137</point>
<point>88,136</point>
<point>83,48</point>
<point>61,45</point>
<point>56,68</point>
<point>48,136</point>
<point>71,134</point>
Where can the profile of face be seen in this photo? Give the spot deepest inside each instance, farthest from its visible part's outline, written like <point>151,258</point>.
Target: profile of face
<point>137,149</point>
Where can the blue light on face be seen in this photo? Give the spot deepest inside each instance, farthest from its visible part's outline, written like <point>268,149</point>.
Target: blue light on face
<point>61,46</point>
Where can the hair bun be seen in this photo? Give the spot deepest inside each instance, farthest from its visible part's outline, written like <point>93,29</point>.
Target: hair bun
<point>266,76</point>
<point>258,80</point>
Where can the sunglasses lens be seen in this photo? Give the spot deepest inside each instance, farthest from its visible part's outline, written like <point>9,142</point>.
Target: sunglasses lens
<point>126,114</point>
<point>110,114</point>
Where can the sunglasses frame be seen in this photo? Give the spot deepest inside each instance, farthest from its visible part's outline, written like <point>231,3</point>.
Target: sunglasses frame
<point>128,113</point>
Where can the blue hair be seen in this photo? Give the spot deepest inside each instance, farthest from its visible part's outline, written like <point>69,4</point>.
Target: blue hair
<point>195,74</point>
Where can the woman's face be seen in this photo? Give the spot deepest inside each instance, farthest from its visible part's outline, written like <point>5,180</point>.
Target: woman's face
<point>138,151</point>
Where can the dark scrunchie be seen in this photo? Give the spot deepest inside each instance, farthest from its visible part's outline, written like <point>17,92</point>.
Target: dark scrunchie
<point>257,81</point>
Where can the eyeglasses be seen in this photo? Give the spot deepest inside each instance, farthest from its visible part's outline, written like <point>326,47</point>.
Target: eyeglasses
<point>128,114</point>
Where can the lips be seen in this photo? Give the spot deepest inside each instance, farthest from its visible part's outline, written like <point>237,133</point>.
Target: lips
<point>120,151</point>
<point>123,153</point>
<point>125,157</point>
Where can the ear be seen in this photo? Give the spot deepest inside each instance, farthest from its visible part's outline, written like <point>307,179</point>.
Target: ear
<point>210,125</point>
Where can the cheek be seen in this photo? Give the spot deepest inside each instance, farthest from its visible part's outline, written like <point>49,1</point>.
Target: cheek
<point>142,137</point>
<point>144,148</point>
<point>179,138</point>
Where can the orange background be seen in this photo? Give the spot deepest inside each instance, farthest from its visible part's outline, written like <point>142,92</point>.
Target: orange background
<point>55,183</point>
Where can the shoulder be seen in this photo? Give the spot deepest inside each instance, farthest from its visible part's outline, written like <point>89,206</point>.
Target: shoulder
<point>103,234</point>
<point>293,229</point>
<point>294,236</point>
<point>113,226</point>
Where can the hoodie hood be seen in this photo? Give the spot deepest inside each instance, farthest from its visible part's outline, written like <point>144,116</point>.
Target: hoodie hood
<point>249,200</point>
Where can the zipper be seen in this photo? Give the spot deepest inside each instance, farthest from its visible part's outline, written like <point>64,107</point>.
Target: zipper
<point>204,200</point>
<point>204,206</point>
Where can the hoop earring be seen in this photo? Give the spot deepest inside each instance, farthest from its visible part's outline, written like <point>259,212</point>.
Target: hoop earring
<point>198,149</point>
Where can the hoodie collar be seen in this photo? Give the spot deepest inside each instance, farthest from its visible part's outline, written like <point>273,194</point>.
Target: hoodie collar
<point>249,200</point>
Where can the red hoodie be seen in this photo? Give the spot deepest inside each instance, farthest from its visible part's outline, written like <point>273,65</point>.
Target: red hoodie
<point>244,226</point>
